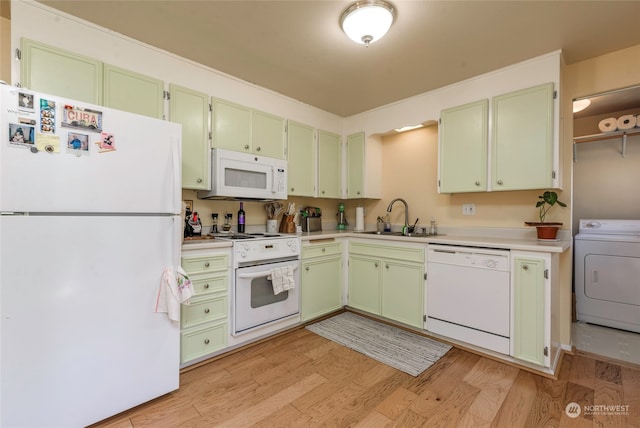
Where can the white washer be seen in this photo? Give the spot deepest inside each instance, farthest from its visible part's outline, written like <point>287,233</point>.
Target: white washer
<point>607,273</point>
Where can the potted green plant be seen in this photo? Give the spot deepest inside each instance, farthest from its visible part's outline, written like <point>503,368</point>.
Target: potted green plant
<point>546,201</point>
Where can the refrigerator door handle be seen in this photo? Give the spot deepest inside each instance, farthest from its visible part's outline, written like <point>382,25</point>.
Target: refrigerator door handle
<point>176,150</point>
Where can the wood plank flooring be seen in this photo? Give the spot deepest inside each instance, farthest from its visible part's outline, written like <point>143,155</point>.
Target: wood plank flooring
<point>300,379</point>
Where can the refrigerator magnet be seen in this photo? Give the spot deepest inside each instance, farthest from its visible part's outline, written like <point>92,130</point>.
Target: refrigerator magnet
<point>78,144</point>
<point>107,143</point>
<point>21,134</point>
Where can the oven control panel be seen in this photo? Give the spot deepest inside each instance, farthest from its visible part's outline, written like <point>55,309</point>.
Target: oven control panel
<point>266,249</point>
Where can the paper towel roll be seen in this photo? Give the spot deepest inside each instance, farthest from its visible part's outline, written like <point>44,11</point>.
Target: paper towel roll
<point>608,125</point>
<point>638,121</point>
<point>627,121</point>
<point>359,218</point>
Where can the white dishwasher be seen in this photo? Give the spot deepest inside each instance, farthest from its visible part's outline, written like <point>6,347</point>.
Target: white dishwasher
<point>468,295</point>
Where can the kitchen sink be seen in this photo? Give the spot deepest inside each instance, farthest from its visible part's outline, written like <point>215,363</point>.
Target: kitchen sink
<point>415,235</point>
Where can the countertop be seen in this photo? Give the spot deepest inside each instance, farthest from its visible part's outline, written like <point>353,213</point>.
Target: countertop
<point>511,239</point>
<point>493,238</point>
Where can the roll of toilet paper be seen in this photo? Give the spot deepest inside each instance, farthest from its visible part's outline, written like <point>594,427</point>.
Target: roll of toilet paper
<point>627,121</point>
<point>359,218</point>
<point>638,121</point>
<point>608,125</point>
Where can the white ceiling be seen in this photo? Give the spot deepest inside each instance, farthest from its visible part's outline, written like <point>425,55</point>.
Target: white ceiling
<point>297,48</point>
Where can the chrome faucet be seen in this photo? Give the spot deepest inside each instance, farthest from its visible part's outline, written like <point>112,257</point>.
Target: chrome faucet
<point>405,229</point>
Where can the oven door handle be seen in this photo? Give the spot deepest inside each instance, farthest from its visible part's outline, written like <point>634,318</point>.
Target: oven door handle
<point>257,274</point>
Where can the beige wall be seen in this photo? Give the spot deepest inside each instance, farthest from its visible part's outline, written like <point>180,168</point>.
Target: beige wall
<point>5,41</point>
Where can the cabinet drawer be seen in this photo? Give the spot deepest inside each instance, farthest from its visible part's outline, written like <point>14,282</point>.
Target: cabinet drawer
<point>201,311</point>
<point>210,284</point>
<point>409,254</point>
<point>204,264</point>
<point>203,341</point>
<point>321,249</point>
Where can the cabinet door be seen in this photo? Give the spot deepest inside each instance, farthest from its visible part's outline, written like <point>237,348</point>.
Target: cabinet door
<point>302,160</point>
<point>522,143</point>
<point>231,126</point>
<point>355,165</point>
<point>191,109</point>
<point>463,148</point>
<point>364,284</point>
<point>329,165</point>
<point>321,287</point>
<point>58,72</point>
<point>268,135</point>
<point>529,310</point>
<point>133,92</point>
<point>402,292</point>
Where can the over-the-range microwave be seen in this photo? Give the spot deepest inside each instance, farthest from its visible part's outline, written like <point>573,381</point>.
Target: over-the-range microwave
<point>237,175</point>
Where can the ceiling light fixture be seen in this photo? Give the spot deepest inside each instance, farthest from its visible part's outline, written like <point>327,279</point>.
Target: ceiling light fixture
<point>367,21</point>
<point>580,105</point>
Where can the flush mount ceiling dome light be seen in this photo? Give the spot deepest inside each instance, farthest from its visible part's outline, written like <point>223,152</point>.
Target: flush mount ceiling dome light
<point>366,22</point>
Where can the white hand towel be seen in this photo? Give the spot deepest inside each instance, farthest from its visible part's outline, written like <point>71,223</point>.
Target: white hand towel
<point>175,289</point>
<point>282,279</point>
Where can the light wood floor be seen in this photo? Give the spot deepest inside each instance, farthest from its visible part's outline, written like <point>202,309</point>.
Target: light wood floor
<point>303,380</point>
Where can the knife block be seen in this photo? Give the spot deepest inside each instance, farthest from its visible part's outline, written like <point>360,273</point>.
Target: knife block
<point>312,224</point>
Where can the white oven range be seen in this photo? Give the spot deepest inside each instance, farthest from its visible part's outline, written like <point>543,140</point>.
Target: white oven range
<point>253,302</point>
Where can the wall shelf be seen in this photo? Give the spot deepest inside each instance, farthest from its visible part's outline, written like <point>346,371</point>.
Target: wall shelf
<point>605,136</point>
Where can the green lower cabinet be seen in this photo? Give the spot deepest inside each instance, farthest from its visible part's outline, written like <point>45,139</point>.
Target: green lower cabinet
<point>321,286</point>
<point>364,283</point>
<point>530,310</point>
<point>402,292</point>
<point>388,281</point>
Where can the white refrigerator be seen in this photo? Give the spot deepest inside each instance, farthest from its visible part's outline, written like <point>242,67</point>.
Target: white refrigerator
<point>90,203</point>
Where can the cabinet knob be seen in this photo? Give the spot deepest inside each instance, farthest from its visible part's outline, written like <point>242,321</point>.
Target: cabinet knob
<point>246,147</point>
<point>324,249</point>
<point>525,267</point>
<point>375,264</point>
<point>322,192</point>
<point>206,311</point>
<point>358,192</point>
<point>293,189</point>
<point>206,264</point>
<point>258,149</point>
<point>206,341</point>
<point>386,266</point>
<point>199,180</point>
<point>500,182</point>
<point>206,286</point>
<point>477,183</point>
<point>307,268</point>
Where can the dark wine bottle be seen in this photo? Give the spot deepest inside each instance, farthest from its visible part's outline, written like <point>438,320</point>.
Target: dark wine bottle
<point>241,219</point>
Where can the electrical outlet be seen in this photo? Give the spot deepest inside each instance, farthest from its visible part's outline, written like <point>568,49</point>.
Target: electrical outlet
<point>468,209</point>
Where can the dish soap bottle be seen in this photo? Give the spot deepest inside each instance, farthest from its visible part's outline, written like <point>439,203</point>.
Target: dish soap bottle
<point>241,219</point>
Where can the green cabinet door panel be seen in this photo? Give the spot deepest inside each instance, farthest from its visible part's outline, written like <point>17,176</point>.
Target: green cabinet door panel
<point>133,92</point>
<point>329,165</point>
<point>364,284</point>
<point>321,287</point>
<point>191,109</point>
<point>529,310</point>
<point>231,126</point>
<point>58,72</point>
<point>268,135</point>
<point>355,165</point>
<point>302,159</point>
<point>403,291</point>
<point>463,148</point>
<point>522,144</point>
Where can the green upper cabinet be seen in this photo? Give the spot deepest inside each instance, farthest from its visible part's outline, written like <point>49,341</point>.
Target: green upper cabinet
<point>463,142</point>
<point>191,109</point>
<point>522,145</point>
<point>268,135</point>
<point>58,72</point>
<point>355,165</point>
<point>133,92</point>
<point>329,164</point>
<point>302,159</point>
<point>231,126</point>
<point>242,129</point>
